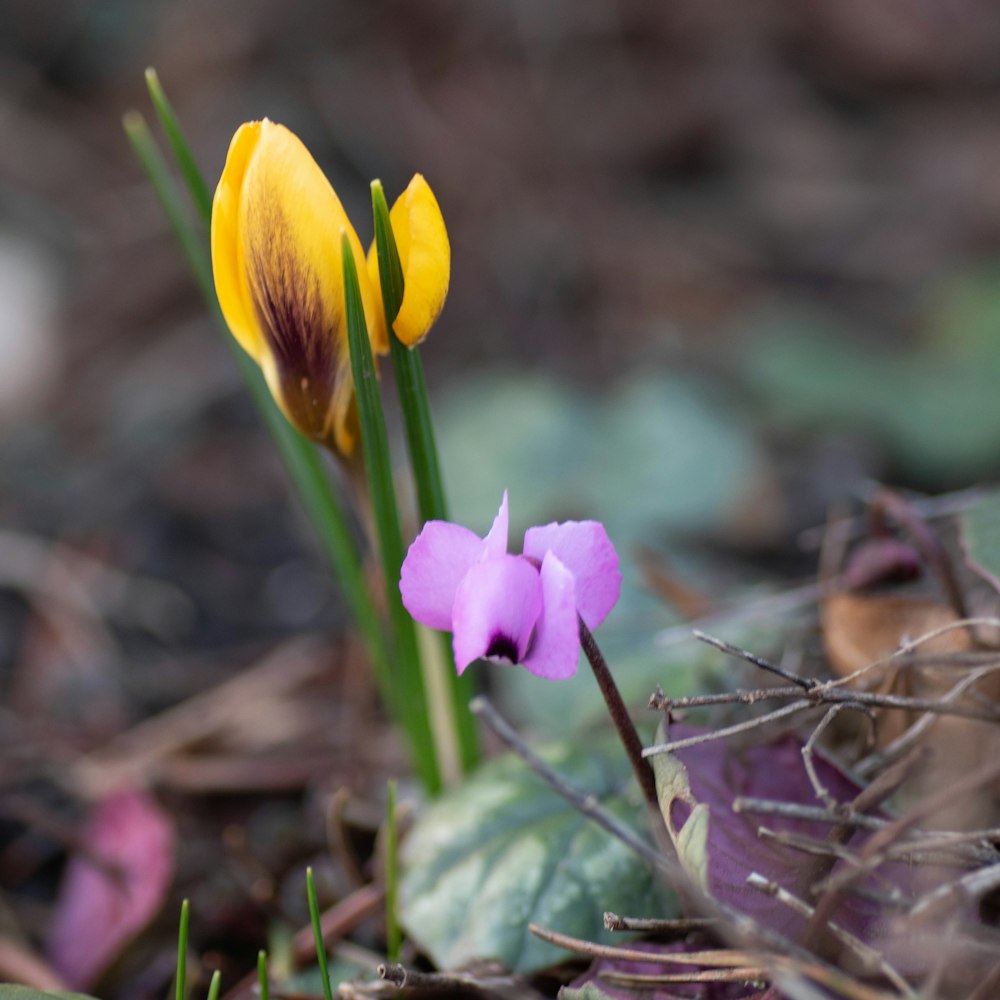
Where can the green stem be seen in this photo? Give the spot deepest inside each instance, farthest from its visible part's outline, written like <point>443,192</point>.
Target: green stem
<point>422,447</point>
<point>410,696</point>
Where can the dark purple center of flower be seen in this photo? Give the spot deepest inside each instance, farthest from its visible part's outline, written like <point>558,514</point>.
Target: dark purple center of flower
<point>502,647</point>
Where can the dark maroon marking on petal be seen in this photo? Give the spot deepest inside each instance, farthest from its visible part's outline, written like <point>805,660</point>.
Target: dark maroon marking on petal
<point>502,646</point>
<point>300,332</point>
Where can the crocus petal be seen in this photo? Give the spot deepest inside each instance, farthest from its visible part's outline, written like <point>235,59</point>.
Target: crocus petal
<point>495,543</point>
<point>425,256</point>
<point>586,551</point>
<point>496,607</point>
<point>433,568</point>
<point>555,650</point>
<point>276,225</point>
<point>230,277</point>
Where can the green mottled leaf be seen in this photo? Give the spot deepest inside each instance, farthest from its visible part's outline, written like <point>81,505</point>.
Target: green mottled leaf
<point>980,526</point>
<point>504,850</point>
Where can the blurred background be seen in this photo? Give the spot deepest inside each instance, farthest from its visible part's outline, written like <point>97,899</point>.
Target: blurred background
<point>716,267</point>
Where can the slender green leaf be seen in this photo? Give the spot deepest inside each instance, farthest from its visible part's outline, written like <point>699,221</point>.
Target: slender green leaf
<point>415,406</point>
<point>262,979</point>
<point>214,986</point>
<point>318,934</point>
<point>180,980</point>
<point>192,242</point>
<point>408,688</point>
<point>408,370</point>
<point>392,933</point>
<point>182,151</point>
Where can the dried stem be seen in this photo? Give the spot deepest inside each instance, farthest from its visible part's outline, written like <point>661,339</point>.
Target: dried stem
<point>620,717</point>
<point>647,980</point>
<point>721,734</point>
<point>827,694</point>
<point>871,960</point>
<point>653,925</point>
<point>914,733</point>
<point>717,958</point>
<point>757,661</point>
<point>889,503</point>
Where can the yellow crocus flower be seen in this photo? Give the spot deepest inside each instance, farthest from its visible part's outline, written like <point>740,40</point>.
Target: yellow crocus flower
<point>425,257</point>
<point>276,256</point>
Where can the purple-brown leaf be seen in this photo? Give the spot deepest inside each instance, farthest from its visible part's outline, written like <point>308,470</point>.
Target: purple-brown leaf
<point>720,847</point>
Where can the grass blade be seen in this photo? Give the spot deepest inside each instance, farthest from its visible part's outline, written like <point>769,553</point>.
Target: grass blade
<point>214,986</point>
<point>180,981</point>
<point>200,194</point>
<point>409,687</point>
<point>262,974</point>
<point>192,242</point>
<point>318,934</point>
<point>393,935</point>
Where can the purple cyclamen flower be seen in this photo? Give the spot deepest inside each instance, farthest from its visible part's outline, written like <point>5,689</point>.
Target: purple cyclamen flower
<point>512,609</point>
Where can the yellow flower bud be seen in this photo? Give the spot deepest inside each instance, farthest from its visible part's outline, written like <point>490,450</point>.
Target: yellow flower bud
<point>425,257</point>
<point>276,225</point>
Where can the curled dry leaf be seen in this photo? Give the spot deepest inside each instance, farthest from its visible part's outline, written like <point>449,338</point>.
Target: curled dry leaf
<point>862,629</point>
<point>113,888</point>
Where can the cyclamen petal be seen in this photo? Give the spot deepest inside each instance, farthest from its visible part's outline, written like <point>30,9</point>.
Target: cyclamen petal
<point>584,548</point>
<point>438,559</point>
<point>496,539</point>
<point>555,651</point>
<point>496,607</point>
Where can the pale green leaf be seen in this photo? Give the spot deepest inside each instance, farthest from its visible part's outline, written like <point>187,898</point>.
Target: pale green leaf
<point>504,850</point>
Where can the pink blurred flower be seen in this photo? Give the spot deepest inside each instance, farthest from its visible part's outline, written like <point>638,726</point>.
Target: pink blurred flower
<point>512,609</point>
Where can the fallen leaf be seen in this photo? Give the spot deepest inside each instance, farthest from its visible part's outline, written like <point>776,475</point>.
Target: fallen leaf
<point>113,888</point>
<point>699,784</point>
<point>859,629</point>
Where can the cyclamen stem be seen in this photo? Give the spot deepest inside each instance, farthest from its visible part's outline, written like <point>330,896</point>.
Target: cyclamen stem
<point>620,717</point>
